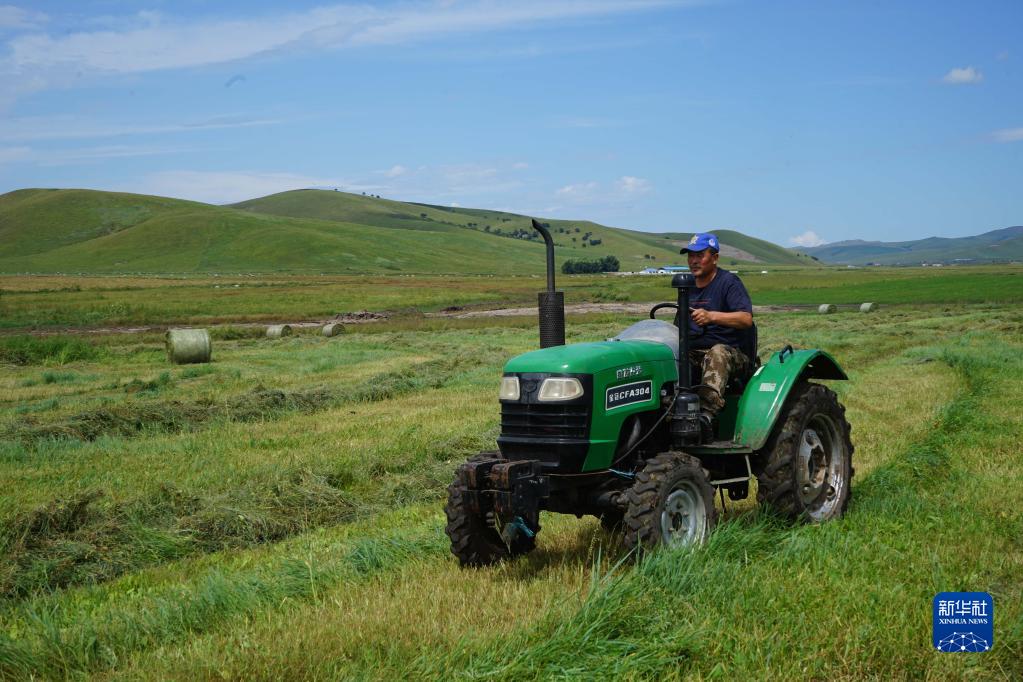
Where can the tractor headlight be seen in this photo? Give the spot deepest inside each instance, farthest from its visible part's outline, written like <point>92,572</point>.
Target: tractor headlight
<point>555,389</point>
<point>509,388</point>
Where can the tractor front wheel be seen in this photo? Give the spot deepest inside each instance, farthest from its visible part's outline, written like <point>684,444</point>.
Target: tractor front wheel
<point>671,503</point>
<point>806,466</point>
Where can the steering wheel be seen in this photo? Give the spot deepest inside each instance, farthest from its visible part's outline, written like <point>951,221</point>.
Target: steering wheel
<point>661,306</point>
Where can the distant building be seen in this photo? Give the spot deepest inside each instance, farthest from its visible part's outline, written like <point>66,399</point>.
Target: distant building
<point>671,269</point>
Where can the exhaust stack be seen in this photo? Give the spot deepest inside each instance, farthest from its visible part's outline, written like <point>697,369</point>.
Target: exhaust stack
<point>551,303</point>
<point>683,281</point>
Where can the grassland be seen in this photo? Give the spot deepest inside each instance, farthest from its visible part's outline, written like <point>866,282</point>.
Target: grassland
<point>52,302</point>
<point>276,513</point>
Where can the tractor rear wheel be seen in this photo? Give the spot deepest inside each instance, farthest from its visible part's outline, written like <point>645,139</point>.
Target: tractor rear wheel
<point>806,466</point>
<point>474,537</point>
<point>671,503</point>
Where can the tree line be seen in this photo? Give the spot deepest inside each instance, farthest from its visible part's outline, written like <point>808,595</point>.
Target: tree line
<point>578,267</point>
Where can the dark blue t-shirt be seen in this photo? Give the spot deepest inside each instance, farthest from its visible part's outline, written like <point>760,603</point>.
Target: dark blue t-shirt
<point>725,294</point>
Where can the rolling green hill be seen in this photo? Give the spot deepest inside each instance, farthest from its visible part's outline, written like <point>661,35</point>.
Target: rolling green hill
<point>998,245</point>
<point>86,231</point>
<point>628,245</point>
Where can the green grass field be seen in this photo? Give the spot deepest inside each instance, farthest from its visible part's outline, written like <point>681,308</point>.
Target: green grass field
<point>77,301</point>
<point>277,512</point>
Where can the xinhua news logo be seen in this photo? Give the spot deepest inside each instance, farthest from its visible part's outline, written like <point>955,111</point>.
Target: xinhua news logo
<point>964,622</point>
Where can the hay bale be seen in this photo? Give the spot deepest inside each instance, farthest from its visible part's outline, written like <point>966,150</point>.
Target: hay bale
<point>827,308</point>
<point>333,329</point>
<point>277,331</point>
<point>868,307</point>
<point>187,346</point>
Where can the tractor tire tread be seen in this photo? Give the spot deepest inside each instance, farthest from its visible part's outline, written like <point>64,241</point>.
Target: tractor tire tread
<point>641,520</point>
<point>775,475</point>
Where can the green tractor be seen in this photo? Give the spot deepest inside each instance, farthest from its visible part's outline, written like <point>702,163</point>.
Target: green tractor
<point>612,429</point>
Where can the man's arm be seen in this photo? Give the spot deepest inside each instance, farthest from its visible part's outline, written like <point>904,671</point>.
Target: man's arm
<point>739,319</point>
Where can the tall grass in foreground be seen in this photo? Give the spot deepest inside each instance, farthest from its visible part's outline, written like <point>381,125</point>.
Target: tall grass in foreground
<point>762,599</point>
<point>309,544</point>
<point>63,643</point>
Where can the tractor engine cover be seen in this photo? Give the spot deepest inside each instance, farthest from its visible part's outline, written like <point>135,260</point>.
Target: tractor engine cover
<point>578,430</point>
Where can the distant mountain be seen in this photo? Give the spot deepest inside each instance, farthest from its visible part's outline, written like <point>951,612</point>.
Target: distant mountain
<point>997,245</point>
<point>69,230</point>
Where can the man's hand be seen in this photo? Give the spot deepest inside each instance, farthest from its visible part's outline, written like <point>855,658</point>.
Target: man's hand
<point>737,320</point>
<point>701,316</point>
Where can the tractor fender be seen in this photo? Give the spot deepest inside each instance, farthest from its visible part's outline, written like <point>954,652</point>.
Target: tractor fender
<point>767,389</point>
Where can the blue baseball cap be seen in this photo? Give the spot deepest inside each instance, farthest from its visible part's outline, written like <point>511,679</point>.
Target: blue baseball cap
<point>701,241</point>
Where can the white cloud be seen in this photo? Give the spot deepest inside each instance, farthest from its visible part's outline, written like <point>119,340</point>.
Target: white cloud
<point>15,17</point>
<point>520,165</point>
<point>1002,56</point>
<point>630,185</point>
<point>84,155</point>
<point>434,184</point>
<point>963,76</point>
<point>152,42</point>
<point>1008,135</point>
<point>395,170</point>
<point>578,190</point>
<point>808,238</point>
<point>625,188</point>
<point>72,127</point>
<point>226,187</point>
<point>447,182</point>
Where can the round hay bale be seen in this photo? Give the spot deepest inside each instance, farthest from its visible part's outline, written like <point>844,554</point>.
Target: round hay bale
<point>868,307</point>
<point>333,329</point>
<point>277,331</point>
<point>187,346</point>
<point>827,308</point>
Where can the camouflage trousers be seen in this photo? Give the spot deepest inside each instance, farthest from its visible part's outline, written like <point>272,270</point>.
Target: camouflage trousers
<point>718,363</point>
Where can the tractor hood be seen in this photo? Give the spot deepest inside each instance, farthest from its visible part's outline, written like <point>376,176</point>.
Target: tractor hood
<point>589,358</point>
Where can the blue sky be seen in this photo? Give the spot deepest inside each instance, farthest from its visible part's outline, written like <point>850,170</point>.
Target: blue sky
<point>798,122</point>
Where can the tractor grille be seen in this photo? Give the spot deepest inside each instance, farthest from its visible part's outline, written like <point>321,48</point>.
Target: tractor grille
<point>544,422</point>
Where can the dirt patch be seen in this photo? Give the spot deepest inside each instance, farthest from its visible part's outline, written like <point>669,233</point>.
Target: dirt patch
<point>639,309</point>
<point>369,317</point>
<point>359,317</point>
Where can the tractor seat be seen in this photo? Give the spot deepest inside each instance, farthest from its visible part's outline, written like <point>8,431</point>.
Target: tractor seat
<point>748,345</point>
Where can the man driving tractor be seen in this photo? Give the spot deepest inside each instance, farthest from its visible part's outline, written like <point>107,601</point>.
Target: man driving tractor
<point>719,311</point>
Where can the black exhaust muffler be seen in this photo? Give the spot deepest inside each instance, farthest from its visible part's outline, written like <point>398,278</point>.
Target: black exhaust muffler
<point>551,303</point>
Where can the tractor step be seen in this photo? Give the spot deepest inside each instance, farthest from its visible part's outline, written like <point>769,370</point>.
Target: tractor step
<point>718,447</point>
